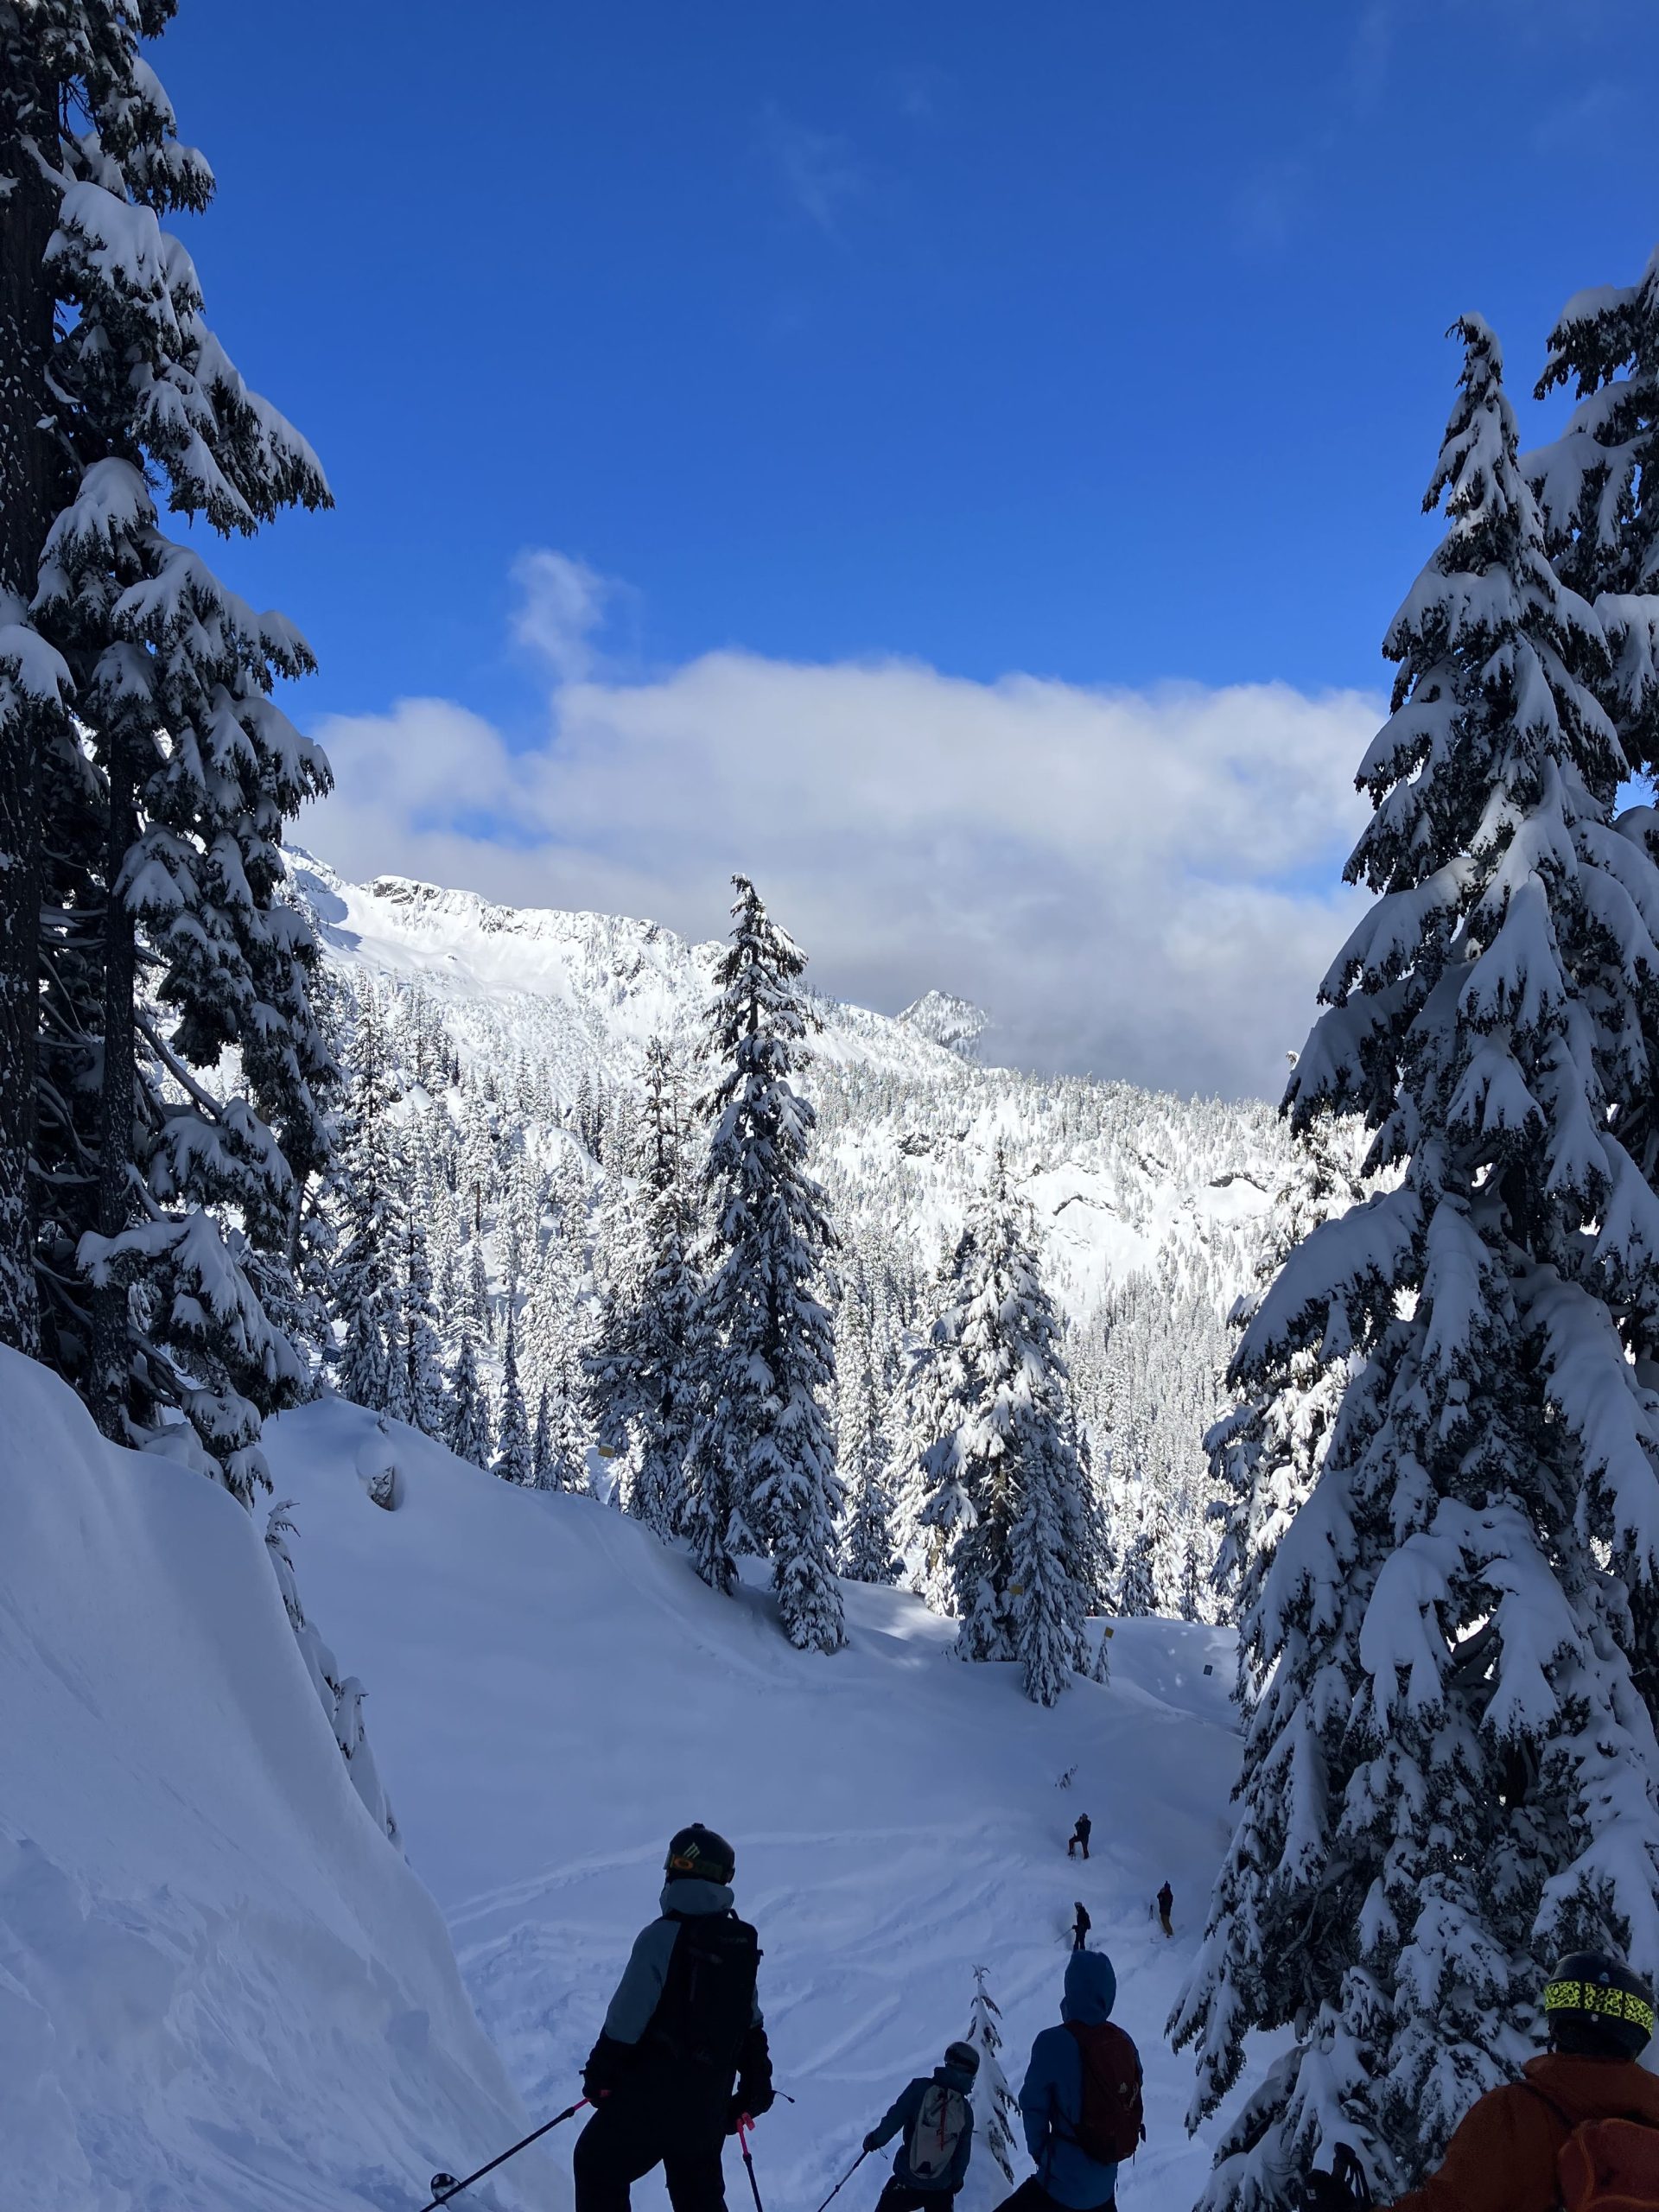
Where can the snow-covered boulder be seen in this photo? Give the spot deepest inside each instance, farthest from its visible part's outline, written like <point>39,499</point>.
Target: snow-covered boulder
<point>221,1986</point>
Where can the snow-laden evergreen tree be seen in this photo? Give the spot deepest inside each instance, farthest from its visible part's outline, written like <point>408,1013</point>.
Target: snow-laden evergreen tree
<point>992,2096</point>
<point>1597,487</point>
<point>867,1545</point>
<point>541,1446</point>
<point>513,1460</point>
<point>1449,1777</point>
<point>466,1416</point>
<point>415,1344</point>
<point>561,1451</point>
<point>1021,1590</point>
<point>1137,1589</point>
<point>145,773</point>
<point>639,1370</point>
<point>761,1473</point>
<point>935,1511</point>
<point>1265,1455</point>
<point>372,1213</point>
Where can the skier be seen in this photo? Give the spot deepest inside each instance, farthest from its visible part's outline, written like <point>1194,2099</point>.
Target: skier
<point>1081,1927</point>
<point>938,2138</point>
<point>1080,1835</point>
<point>1165,1906</point>
<point>1523,2146</point>
<point>683,2023</point>
<point>1081,2098</point>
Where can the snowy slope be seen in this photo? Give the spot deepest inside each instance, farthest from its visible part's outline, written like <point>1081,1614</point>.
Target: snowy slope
<point>1121,1179</point>
<point>554,1692</point>
<point>221,1987</point>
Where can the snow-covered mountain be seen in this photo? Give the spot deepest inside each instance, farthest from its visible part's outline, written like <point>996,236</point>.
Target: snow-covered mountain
<point>1123,1180</point>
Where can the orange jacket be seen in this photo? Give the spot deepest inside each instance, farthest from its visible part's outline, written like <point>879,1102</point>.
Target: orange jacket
<point>1503,2157</point>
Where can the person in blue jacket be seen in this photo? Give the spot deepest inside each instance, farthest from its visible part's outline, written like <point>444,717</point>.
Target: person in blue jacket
<point>1050,2099</point>
<point>908,2190</point>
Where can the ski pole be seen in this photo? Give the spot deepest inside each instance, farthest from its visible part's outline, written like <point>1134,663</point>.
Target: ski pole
<point>743,2127</point>
<point>845,2179</point>
<point>444,2186</point>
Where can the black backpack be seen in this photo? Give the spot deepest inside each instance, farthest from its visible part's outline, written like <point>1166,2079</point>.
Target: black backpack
<point>707,2007</point>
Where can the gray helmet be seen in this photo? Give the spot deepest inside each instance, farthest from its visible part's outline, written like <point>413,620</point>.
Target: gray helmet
<point>962,2054</point>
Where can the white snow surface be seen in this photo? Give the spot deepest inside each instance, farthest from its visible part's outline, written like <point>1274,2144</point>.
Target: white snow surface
<point>553,1693</point>
<point>220,1986</point>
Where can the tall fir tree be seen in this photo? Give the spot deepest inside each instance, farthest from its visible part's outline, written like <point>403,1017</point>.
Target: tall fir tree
<point>145,774</point>
<point>1022,1590</point>
<point>415,1343</point>
<point>1448,1774</point>
<point>935,1511</point>
<point>640,1379</point>
<point>1597,490</point>
<point>1265,1454</point>
<point>867,1545</point>
<point>513,1460</point>
<point>466,1415</point>
<point>762,1463</point>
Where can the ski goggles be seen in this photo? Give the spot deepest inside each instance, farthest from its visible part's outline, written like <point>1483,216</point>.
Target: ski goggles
<point>1595,1998</point>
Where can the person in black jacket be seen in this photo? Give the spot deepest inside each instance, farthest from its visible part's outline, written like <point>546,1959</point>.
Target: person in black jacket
<point>682,2054</point>
<point>1080,1835</point>
<point>1080,1928</point>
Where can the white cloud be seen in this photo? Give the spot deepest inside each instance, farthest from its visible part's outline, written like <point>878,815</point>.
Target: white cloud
<point>1144,885</point>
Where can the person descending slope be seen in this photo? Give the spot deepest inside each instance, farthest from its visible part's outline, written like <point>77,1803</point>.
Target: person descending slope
<point>1165,1906</point>
<point>1080,1928</point>
<point>936,2141</point>
<point>1580,2130</point>
<point>1080,1835</point>
<point>684,2025</point>
<point>1081,2098</point>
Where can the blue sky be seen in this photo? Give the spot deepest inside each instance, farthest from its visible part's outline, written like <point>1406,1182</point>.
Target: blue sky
<point>1070,340</point>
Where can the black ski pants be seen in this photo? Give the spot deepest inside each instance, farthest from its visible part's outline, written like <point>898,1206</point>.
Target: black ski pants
<point>633,2131</point>
<point>899,2196</point>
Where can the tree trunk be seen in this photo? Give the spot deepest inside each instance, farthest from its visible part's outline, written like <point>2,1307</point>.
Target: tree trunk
<point>111,1348</point>
<point>28,468</point>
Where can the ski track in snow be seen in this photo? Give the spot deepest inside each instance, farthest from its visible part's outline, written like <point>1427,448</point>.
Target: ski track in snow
<point>552,1692</point>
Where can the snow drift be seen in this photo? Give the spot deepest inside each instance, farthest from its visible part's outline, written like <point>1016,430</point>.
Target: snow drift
<point>220,1986</point>
<point>554,1692</point>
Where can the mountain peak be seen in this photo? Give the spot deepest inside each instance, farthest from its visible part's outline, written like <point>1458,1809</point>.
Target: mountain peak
<point>957,1024</point>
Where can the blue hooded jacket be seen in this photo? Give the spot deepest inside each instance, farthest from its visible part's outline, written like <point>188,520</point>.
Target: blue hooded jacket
<point>901,2116</point>
<point>1051,2098</point>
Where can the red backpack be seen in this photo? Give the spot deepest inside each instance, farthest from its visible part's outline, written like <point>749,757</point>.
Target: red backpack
<point>1606,2166</point>
<point>1110,2127</point>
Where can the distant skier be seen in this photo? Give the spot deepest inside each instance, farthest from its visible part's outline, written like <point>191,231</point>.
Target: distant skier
<point>1081,2098</point>
<point>1562,2133</point>
<point>938,2138</point>
<point>1080,1928</point>
<point>1080,1835</point>
<point>1165,1906</point>
<point>683,2025</point>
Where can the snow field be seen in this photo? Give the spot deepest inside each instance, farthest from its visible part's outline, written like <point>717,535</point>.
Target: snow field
<point>221,1987</point>
<point>552,1692</point>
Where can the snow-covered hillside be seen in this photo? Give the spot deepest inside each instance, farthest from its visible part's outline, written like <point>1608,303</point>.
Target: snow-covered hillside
<point>1123,1180</point>
<point>554,1692</point>
<point>220,1986</point>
